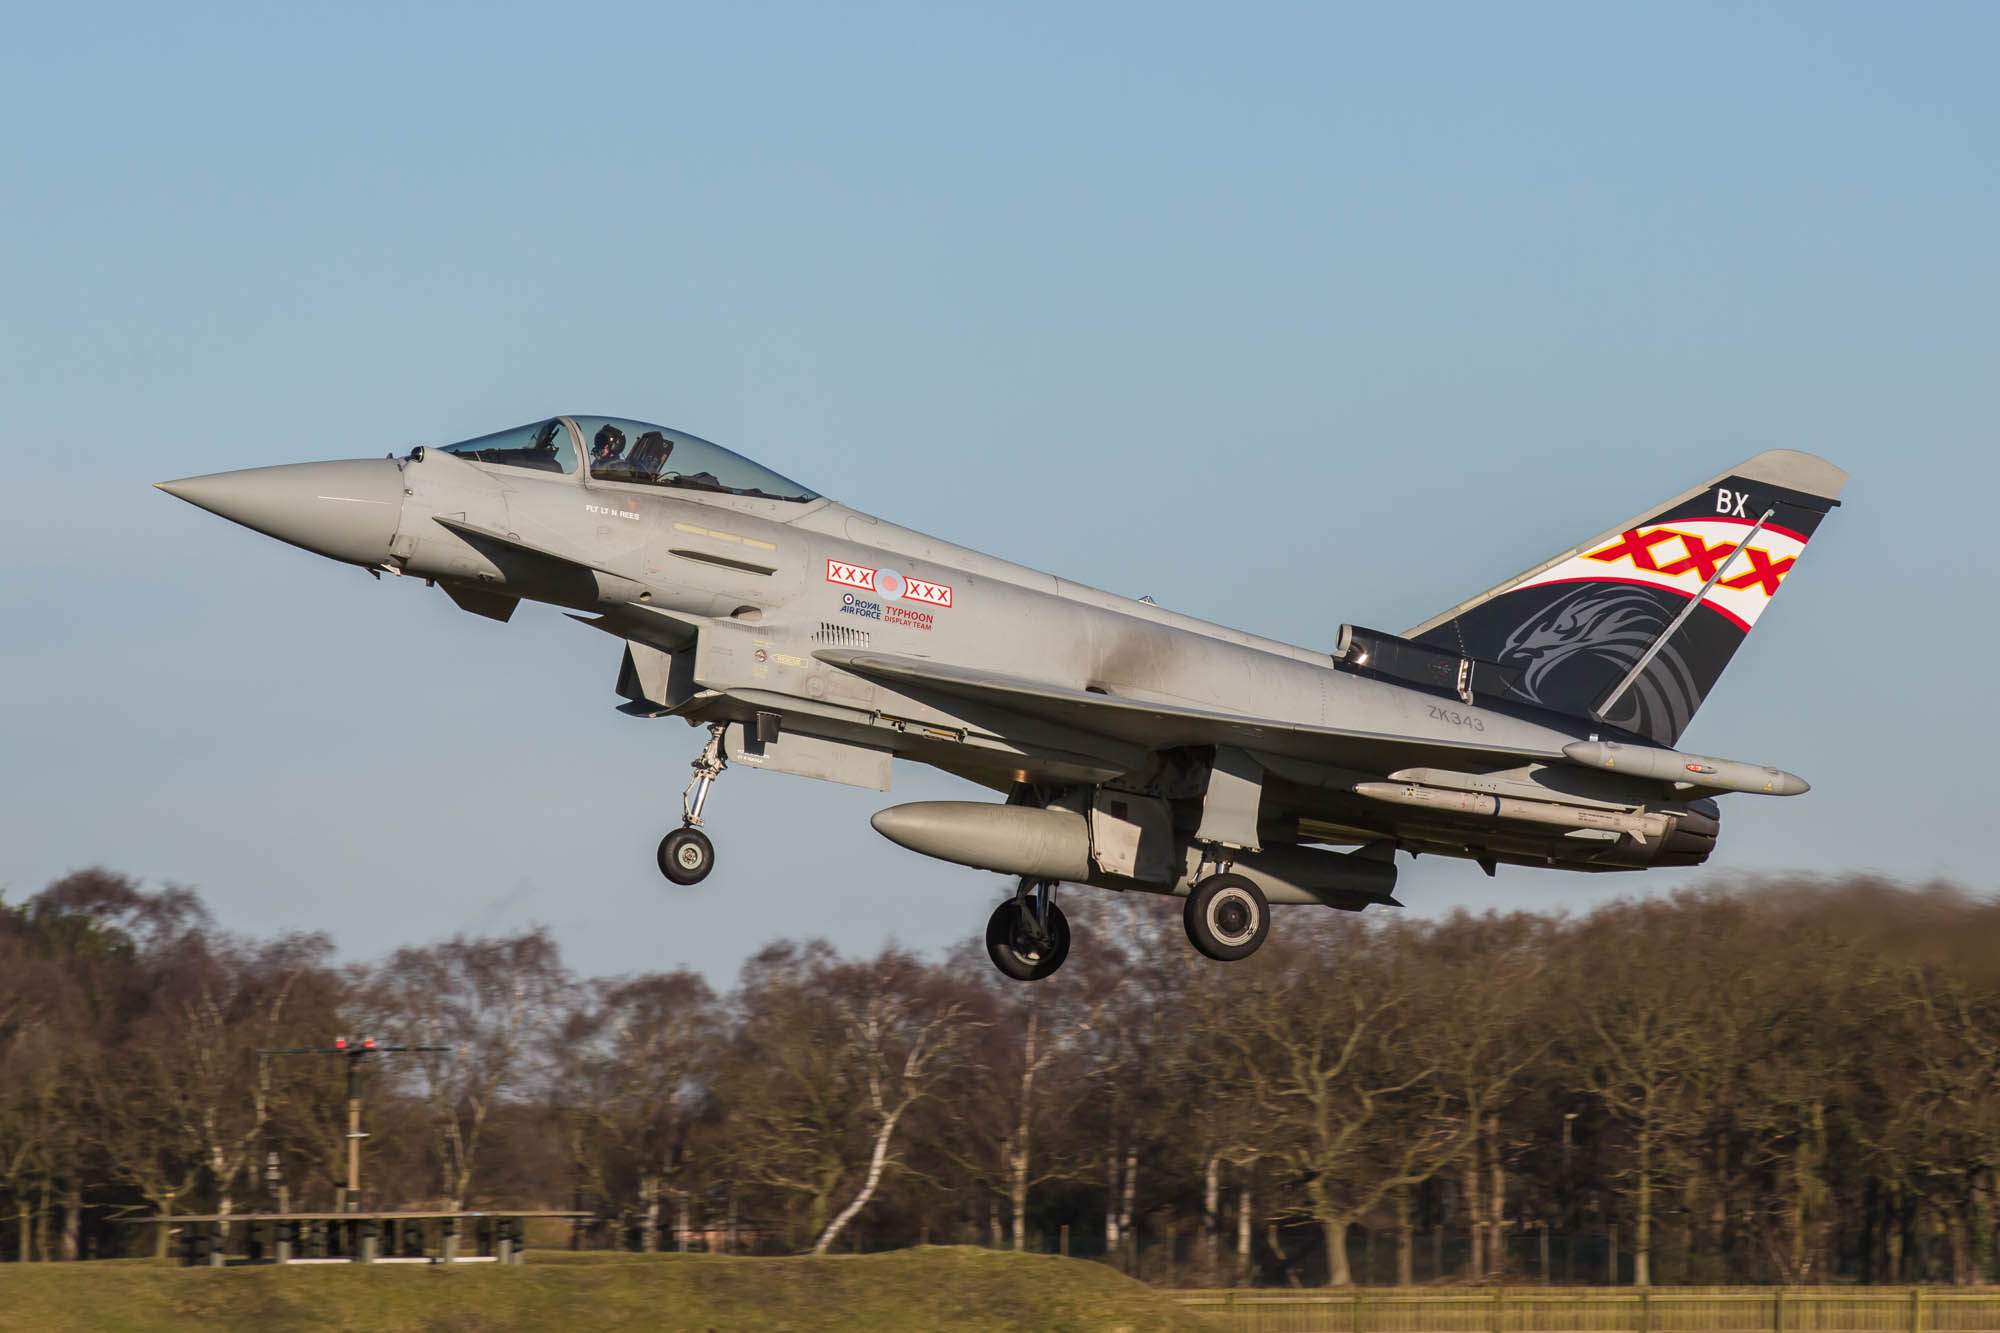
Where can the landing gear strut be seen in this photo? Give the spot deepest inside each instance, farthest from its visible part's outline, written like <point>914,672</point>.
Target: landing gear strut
<point>686,855</point>
<point>1028,935</point>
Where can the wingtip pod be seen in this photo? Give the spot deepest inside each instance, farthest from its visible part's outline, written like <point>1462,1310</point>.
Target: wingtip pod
<point>1658,765</point>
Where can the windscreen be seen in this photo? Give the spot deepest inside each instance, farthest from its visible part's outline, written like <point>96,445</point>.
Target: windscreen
<point>543,445</point>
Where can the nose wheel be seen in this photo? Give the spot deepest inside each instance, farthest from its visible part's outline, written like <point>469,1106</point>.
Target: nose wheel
<point>686,855</point>
<point>1027,936</point>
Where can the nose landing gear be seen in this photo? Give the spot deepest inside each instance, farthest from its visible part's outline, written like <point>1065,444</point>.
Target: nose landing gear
<point>1027,936</point>
<point>686,855</point>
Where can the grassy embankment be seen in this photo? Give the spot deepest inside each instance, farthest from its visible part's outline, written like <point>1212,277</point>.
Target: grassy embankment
<point>964,1290</point>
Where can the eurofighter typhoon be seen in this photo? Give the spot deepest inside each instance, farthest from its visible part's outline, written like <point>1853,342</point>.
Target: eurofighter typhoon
<point>1533,724</point>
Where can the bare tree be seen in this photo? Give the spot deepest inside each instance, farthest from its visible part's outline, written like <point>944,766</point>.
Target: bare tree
<point>899,1042</point>
<point>1935,1131</point>
<point>190,1100</point>
<point>30,1107</point>
<point>1219,1122</point>
<point>1346,1081</point>
<point>1037,1046</point>
<point>1036,1036</point>
<point>634,1081</point>
<point>1488,975</point>
<point>1139,962</point>
<point>828,1060</point>
<point>493,1003</point>
<point>1638,1040</point>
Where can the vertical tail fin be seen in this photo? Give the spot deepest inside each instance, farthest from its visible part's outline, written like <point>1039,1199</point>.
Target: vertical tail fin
<point>1633,627</point>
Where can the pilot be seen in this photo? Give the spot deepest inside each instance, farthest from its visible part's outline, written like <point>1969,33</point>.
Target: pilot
<point>606,448</point>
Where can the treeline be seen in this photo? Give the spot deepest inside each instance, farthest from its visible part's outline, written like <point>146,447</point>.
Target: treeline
<point>1789,1082</point>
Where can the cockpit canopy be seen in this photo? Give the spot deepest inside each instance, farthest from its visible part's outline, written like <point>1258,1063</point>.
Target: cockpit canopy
<point>618,450</point>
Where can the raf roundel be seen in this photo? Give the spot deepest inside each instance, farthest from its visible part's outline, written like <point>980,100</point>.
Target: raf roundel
<point>888,584</point>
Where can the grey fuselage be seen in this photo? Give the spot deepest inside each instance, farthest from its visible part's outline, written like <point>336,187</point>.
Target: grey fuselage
<point>668,558</point>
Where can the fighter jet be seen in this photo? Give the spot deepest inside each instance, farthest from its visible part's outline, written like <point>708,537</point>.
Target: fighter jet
<point>1533,724</point>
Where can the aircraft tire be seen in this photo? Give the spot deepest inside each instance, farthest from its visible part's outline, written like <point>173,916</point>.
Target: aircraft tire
<point>1014,949</point>
<point>686,856</point>
<point>1226,917</point>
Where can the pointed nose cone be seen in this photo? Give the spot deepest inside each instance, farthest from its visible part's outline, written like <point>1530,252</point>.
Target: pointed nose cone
<point>346,511</point>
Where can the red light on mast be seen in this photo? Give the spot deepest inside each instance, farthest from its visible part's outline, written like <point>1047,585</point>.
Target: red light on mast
<point>367,1043</point>
<point>340,1043</point>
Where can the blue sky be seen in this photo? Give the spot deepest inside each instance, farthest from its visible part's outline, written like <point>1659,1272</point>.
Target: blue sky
<point>1286,316</point>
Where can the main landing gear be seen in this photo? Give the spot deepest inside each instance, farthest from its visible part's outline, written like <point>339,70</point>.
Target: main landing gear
<point>686,855</point>
<point>1028,937</point>
<point>1226,917</point>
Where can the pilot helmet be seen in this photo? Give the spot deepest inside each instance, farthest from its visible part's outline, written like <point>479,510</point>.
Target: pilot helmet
<point>609,442</point>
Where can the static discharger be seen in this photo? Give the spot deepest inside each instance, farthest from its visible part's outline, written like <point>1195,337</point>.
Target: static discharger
<point>1645,761</point>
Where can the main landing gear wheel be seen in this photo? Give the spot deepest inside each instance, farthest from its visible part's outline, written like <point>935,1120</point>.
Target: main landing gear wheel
<point>1018,948</point>
<point>686,856</point>
<point>1226,917</point>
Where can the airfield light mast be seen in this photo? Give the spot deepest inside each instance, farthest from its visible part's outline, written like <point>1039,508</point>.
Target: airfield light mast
<point>355,1053</point>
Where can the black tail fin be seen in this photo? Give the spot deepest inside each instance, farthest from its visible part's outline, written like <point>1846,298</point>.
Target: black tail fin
<point>1633,627</point>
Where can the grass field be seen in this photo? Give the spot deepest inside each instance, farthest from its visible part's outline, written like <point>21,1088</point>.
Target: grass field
<point>959,1289</point>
